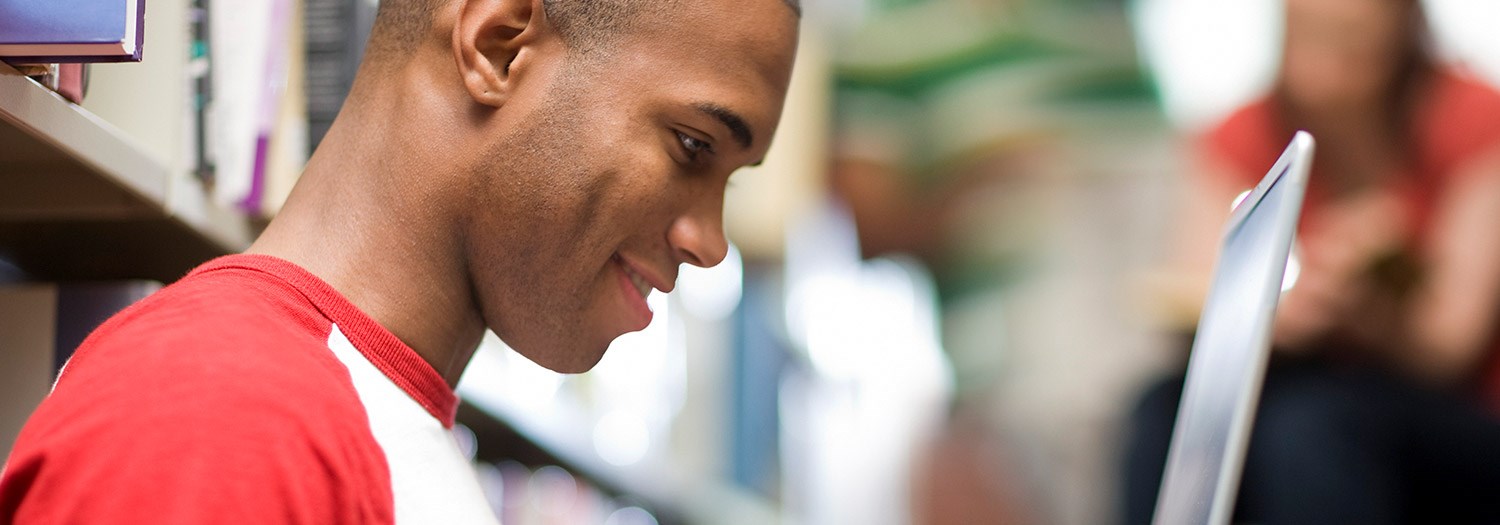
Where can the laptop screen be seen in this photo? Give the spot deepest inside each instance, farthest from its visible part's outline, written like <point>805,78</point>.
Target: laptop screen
<point>1228,361</point>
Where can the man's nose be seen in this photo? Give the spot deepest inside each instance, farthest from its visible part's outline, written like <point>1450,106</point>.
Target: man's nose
<point>698,238</point>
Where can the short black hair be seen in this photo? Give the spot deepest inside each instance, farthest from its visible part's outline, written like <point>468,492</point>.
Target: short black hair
<point>586,25</point>
<point>399,25</point>
<point>582,24</point>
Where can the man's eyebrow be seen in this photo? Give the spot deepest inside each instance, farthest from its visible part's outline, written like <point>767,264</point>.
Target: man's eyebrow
<point>731,120</point>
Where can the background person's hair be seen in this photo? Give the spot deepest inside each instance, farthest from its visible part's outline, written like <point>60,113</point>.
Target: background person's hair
<point>1415,65</point>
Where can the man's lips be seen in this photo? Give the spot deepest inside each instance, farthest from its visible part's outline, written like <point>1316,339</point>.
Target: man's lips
<point>643,280</point>
<point>634,288</point>
<point>641,286</point>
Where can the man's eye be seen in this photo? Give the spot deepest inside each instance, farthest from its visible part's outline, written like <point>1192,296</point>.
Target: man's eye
<point>693,146</point>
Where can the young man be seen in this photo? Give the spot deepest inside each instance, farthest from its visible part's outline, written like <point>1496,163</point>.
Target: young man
<point>535,167</point>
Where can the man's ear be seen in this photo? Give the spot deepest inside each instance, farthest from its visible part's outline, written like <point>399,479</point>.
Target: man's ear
<point>489,36</point>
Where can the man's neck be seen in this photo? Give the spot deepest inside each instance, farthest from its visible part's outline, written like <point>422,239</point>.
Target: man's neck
<point>381,249</point>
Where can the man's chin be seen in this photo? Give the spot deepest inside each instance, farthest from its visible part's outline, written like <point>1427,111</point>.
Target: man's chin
<point>565,360</point>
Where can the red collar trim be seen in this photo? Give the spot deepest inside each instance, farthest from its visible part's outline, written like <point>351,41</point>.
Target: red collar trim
<point>399,362</point>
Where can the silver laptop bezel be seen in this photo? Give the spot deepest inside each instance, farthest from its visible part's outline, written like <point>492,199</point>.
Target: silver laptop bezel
<point>1291,169</point>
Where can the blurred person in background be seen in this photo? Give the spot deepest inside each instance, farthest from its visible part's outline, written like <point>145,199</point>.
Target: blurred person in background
<point>1384,350</point>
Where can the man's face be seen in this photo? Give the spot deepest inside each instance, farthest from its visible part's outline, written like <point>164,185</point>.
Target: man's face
<point>614,174</point>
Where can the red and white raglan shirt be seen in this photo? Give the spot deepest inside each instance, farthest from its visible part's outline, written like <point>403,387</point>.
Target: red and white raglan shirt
<point>248,392</point>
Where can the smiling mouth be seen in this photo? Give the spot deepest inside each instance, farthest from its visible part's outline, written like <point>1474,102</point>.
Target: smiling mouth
<point>641,285</point>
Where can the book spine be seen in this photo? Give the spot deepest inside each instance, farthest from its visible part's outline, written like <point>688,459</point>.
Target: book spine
<point>72,79</point>
<point>270,104</point>
<point>336,31</point>
<point>200,71</point>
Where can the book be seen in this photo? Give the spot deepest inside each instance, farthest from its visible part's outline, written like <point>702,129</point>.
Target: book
<point>73,81</point>
<point>57,31</point>
<point>201,82</point>
<point>336,31</point>
<point>247,42</point>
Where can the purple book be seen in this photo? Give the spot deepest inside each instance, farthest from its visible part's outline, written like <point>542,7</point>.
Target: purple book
<point>58,31</point>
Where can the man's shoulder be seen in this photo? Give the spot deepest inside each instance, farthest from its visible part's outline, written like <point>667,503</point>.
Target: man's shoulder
<point>222,372</point>
<point>228,333</point>
<point>226,303</point>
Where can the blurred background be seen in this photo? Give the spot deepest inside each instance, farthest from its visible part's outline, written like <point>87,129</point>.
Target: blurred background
<point>963,283</point>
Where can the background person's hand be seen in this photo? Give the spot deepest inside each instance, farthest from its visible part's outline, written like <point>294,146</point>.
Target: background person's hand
<point>1336,252</point>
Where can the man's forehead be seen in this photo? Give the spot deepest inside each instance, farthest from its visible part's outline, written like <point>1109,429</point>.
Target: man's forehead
<point>731,64</point>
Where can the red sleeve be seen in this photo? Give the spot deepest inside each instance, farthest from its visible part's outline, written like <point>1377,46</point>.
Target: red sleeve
<point>1459,122</point>
<point>199,407</point>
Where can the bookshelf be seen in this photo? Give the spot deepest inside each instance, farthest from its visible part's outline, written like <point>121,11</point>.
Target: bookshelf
<point>82,201</point>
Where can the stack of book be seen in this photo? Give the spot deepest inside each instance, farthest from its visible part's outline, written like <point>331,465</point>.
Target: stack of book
<point>218,100</point>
